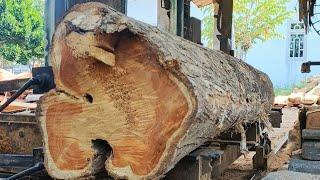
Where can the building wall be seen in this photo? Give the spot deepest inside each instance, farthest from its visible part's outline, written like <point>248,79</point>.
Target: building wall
<point>296,51</point>
<point>271,57</point>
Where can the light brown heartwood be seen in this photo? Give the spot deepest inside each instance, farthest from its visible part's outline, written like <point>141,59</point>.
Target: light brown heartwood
<point>134,100</point>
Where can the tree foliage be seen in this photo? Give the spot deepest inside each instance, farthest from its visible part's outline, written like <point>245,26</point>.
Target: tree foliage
<point>22,30</point>
<point>208,22</point>
<point>254,21</point>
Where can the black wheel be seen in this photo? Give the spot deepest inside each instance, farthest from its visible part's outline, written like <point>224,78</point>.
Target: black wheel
<point>314,18</point>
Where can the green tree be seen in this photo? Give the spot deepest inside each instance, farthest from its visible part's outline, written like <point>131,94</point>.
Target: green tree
<point>254,21</point>
<point>21,30</point>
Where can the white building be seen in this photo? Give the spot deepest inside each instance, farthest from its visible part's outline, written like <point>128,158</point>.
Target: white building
<point>296,51</point>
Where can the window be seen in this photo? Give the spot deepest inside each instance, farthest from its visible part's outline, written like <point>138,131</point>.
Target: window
<point>296,41</point>
<point>296,45</point>
<point>297,26</point>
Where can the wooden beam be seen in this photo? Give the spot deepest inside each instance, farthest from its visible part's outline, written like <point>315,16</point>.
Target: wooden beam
<point>201,3</point>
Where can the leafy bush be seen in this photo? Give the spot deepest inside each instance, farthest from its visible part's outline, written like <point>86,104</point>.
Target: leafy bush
<point>21,30</point>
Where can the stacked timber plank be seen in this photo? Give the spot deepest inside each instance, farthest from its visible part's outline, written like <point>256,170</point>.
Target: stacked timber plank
<point>134,100</point>
<point>20,104</point>
<point>202,3</point>
<point>309,159</point>
<point>6,75</point>
<point>308,95</point>
<point>311,134</point>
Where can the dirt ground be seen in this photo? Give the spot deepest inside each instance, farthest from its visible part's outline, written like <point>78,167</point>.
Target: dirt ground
<point>242,169</point>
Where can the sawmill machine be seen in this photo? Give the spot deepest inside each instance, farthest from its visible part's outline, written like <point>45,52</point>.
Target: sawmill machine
<point>308,161</point>
<point>309,13</point>
<point>26,157</point>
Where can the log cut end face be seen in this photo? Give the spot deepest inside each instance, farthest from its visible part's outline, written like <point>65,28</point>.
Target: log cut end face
<point>115,105</point>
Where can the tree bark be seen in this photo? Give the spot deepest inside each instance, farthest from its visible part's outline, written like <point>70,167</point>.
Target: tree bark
<point>134,100</point>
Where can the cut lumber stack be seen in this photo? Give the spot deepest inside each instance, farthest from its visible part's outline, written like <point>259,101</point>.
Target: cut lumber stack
<point>302,98</point>
<point>6,75</point>
<point>310,84</point>
<point>281,100</point>
<point>311,134</point>
<point>19,107</point>
<point>313,119</point>
<point>308,95</point>
<point>134,100</point>
<point>19,104</point>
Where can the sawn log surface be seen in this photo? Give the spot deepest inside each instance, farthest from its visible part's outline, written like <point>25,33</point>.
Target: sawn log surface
<point>134,100</point>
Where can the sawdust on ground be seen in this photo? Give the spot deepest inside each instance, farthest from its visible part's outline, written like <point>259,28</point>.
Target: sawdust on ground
<point>241,169</point>
<point>281,159</point>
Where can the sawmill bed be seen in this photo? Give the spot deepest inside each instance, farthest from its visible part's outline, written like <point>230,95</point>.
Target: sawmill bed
<point>242,168</point>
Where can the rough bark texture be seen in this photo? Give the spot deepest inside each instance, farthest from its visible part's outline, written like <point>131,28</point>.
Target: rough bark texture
<point>147,96</point>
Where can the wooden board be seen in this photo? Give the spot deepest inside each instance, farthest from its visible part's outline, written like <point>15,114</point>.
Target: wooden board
<point>313,119</point>
<point>201,3</point>
<point>16,106</point>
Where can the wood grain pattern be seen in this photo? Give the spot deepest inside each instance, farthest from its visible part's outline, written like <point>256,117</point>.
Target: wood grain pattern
<point>162,98</point>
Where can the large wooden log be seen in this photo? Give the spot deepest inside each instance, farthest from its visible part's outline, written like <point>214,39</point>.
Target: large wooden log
<point>134,100</point>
